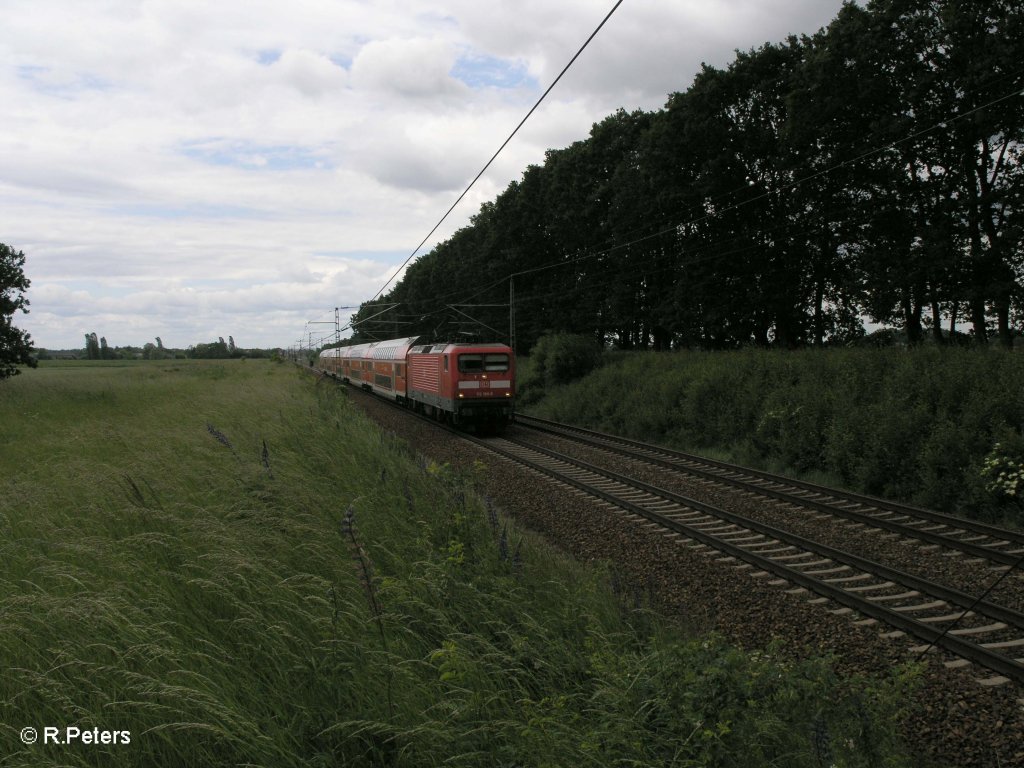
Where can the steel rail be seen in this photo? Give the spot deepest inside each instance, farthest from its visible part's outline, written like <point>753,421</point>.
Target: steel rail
<point>995,662</point>
<point>968,526</point>
<point>934,589</point>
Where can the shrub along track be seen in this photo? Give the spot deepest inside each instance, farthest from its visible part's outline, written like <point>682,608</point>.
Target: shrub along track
<point>957,722</point>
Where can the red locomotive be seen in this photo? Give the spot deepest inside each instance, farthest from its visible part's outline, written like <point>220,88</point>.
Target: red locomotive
<point>458,383</point>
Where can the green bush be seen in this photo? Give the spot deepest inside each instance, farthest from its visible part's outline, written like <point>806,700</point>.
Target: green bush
<point>1003,470</point>
<point>557,359</point>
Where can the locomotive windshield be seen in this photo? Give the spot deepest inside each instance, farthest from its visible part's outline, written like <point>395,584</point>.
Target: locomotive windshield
<point>483,363</point>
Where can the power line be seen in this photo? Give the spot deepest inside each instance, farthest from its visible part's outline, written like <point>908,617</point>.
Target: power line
<point>503,145</point>
<point>676,226</point>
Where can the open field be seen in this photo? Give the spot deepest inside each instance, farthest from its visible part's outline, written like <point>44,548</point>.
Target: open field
<point>225,564</point>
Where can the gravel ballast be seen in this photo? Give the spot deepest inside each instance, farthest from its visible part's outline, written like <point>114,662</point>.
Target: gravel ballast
<point>957,721</point>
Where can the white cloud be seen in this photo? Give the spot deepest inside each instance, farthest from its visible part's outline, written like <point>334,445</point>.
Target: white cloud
<point>416,68</point>
<point>310,73</point>
<point>192,169</point>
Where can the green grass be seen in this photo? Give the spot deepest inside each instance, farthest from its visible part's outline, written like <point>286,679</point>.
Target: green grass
<point>160,577</point>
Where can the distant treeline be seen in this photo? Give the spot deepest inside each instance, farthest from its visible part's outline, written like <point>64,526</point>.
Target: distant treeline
<point>96,348</point>
<point>871,170</point>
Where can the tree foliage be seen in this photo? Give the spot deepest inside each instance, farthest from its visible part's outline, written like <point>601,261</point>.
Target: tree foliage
<point>92,347</point>
<point>869,170</point>
<point>15,345</point>
<point>557,359</point>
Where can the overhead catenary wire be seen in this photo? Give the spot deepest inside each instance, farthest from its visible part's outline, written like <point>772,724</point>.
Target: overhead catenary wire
<point>669,228</point>
<point>677,225</point>
<point>499,150</point>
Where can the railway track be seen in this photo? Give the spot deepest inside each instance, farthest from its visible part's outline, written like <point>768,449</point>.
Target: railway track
<point>974,631</point>
<point>1001,547</point>
<point>953,715</point>
<point>969,630</point>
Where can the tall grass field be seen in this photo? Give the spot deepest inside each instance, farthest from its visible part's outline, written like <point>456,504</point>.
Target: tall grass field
<point>208,563</point>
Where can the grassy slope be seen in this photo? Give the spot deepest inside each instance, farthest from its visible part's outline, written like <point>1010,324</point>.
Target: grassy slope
<point>157,580</point>
<point>915,425</point>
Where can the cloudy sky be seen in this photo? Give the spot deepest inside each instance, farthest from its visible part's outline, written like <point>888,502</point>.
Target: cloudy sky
<point>192,169</point>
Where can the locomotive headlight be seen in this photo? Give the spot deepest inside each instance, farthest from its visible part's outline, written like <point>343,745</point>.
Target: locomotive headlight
<point>461,394</point>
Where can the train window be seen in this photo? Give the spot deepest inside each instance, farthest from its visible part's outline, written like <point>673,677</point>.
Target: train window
<point>495,362</point>
<point>471,363</point>
<point>446,362</point>
<point>482,363</point>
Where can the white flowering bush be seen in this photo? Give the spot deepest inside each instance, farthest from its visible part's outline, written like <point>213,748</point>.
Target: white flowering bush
<point>1003,470</point>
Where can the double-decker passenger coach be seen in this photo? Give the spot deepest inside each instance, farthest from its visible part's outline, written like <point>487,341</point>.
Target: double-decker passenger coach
<point>459,383</point>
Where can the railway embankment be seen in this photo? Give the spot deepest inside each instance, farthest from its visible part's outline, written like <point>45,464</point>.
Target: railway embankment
<point>942,428</point>
<point>950,719</point>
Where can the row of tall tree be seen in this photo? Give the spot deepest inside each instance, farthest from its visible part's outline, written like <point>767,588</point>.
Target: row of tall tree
<point>98,349</point>
<point>215,349</point>
<point>871,170</point>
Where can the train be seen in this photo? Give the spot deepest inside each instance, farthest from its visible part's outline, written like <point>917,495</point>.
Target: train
<point>464,384</point>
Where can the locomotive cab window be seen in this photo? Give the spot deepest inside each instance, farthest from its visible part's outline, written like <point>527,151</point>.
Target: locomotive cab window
<point>482,363</point>
<point>495,362</point>
<point>471,363</point>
